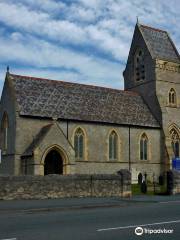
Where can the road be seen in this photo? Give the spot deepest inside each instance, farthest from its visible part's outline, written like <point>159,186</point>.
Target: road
<point>90,219</point>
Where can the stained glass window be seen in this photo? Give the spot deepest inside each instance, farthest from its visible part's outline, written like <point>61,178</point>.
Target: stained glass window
<point>175,141</point>
<point>144,147</point>
<point>113,146</point>
<point>79,143</point>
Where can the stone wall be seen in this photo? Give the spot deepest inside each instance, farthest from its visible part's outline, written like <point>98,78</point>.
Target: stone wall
<point>60,186</point>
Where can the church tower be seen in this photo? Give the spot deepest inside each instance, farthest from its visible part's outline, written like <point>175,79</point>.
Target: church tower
<point>153,70</point>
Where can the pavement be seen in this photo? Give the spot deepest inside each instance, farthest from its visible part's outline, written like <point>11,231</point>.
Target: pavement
<point>91,218</point>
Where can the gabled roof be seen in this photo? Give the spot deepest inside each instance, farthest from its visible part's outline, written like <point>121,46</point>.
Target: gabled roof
<point>38,97</point>
<point>159,43</point>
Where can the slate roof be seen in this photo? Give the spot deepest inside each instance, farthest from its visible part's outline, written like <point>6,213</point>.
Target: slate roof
<point>160,44</point>
<point>38,97</point>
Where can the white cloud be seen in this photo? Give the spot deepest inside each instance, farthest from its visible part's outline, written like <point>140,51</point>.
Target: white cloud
<point>92,4</point>
<point>45,5</point>
<point>39,23</point>
<point>112,45</point>
<point>16,36</point>
<point>80,14</point>
<point>41,54</point>
<point>42,25</point>
<point>105,25</point>
<point>50,34</point>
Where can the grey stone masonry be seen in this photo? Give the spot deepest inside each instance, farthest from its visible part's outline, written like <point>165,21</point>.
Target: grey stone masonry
<point>59,186</point>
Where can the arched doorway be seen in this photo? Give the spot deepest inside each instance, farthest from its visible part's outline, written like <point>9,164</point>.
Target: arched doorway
<point>53,163</point>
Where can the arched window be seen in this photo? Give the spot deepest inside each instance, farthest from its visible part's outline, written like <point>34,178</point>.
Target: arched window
<point>172,97</point>
<point>113,146</point>
<point>144,147</point>
<point>139,65</point>
<point>79,143</point>
<point>4,132</point>
<point>175,141</point>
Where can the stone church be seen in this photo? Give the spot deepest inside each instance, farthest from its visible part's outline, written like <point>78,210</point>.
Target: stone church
<point>56,127</point>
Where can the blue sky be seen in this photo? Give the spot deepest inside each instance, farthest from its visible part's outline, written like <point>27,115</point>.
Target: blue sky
<point>85,41</point>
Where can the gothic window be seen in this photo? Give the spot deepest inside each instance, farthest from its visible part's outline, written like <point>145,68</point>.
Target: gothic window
<point>4,132</point>
<point>79,143</point>
<point>172,97</point>
<point>144,147</point>
<point>113,146</point>
<point>139,65</point>
<point>175,141</point>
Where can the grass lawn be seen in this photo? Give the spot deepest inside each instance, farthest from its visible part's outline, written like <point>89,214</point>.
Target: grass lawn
<point>136,189</point>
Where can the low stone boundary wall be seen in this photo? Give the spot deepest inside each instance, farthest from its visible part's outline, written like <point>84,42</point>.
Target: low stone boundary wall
<point>61,186</point>
<point>173,182</point>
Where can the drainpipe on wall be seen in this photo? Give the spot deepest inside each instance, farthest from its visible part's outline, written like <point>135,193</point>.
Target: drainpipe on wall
<point>67,130</point>
<point>129,148</point>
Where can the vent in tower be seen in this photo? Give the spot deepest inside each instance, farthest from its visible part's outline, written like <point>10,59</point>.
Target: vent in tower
<point>139,66</point>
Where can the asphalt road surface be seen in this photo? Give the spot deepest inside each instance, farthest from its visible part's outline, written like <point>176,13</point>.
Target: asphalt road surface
<point>89,219</point>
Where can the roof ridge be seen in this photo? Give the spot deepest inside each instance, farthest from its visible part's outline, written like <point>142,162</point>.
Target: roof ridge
<point>67,82</point>
<point>152,35</point>
<point>152,28</point>
<point>173,45</point>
